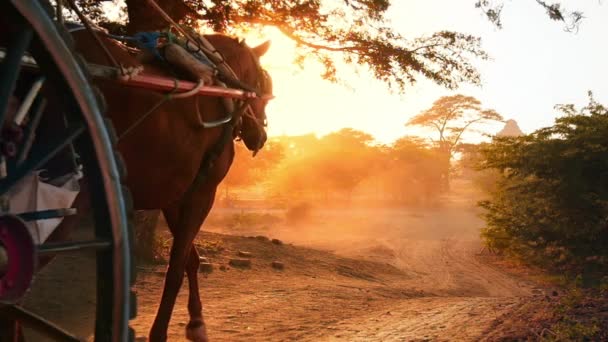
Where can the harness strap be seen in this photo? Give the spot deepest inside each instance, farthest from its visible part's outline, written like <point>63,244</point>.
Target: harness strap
<point>87,24</point>
<point>168,96</point>
<point>209,158</point>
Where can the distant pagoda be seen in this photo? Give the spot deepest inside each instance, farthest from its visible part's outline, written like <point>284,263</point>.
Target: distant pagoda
<point>511,129</point>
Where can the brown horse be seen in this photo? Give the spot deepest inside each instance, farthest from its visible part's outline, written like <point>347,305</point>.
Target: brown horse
<point>165,152</point>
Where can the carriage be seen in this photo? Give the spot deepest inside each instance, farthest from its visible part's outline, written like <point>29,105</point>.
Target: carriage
<point>50,140</point>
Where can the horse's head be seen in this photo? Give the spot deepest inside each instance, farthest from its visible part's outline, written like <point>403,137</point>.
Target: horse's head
<point>245,62</point>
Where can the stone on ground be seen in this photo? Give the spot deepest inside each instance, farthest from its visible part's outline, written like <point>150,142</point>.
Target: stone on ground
<point>237,262</point>
<point>205,267</point>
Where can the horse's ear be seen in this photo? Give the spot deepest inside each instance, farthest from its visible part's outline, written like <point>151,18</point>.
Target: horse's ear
<point>261,49</point>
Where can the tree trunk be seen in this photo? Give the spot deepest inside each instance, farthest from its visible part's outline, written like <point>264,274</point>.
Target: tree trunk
<point>147,246</point>
<point>446,157</point>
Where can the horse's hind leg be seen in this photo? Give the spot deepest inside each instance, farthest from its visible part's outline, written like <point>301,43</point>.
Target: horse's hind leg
<point>195,330</point>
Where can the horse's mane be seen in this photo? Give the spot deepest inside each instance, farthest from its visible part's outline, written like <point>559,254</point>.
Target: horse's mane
<point>231,49</point>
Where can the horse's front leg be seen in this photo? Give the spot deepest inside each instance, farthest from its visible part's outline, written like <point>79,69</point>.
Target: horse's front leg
<point>173,282</point>
<point>184,223</point>
<point>195,330</point>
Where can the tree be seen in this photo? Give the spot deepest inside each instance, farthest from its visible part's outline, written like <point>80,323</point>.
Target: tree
<point>555,11</point>
<point>148,249</point>
<point>552,203</point>
<point>414,171</point>
<point>246,171</point>
<point>320,30</point>
<point>451,117</point>
<point>347,157</point>
<point>333,164</point>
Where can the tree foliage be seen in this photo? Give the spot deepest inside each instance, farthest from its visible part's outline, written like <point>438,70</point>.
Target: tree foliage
<point>451,117</point>
<point>555,11</point>
<point>337,162</point>
<point>353,31</point>
<point>348,166</point>
<point>413,174</point>
<point>552,201</point>
<point>246,171</point>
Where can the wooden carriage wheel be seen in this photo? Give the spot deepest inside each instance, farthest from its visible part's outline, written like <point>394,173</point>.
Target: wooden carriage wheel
<point>36,53</point>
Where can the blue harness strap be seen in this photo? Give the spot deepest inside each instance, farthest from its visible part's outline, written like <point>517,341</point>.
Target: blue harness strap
<point>149,41</point>
<point>144,40</point>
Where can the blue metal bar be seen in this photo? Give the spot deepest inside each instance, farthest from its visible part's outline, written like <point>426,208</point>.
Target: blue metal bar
<point>63,247</point>
<point>39,159</point>
<point>11,66</point>
<point>47,214</point>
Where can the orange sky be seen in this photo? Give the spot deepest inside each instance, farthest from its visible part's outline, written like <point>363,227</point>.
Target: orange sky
<point>535,65</point>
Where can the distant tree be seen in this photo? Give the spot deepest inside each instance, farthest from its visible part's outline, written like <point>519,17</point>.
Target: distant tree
<point>414,171</point>
<point>347,157</point>
<point>335,163</point>
<point>247,170</point>
<point>484,179</point>
<point>451,117</point>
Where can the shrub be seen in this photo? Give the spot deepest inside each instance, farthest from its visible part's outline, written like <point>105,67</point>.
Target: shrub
<point>551,202</point>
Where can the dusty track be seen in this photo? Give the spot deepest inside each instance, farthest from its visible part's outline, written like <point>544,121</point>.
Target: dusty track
<point>360,275</point>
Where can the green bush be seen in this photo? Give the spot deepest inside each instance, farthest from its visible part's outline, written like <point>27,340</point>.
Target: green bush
<point>550,205</point>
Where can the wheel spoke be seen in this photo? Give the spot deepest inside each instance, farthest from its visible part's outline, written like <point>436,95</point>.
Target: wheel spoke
<point>40,158</point>
<point>47,214</point>
<point>28,100</point>
<point>36,322</point>
<point>30,131</point>
<point>62,247</point>
<point>11,66</point>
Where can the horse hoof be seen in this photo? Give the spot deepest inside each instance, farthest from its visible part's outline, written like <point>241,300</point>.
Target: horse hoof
<point>195,331</point>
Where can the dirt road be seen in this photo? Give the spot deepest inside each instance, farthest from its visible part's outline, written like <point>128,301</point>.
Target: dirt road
<point>350,275</point>
<point>450,294</point>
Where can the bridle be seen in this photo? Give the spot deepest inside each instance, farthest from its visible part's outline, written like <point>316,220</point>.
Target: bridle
<point>263,89</point>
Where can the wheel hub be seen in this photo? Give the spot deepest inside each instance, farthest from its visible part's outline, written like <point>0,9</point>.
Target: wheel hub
<point>17,258</point>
